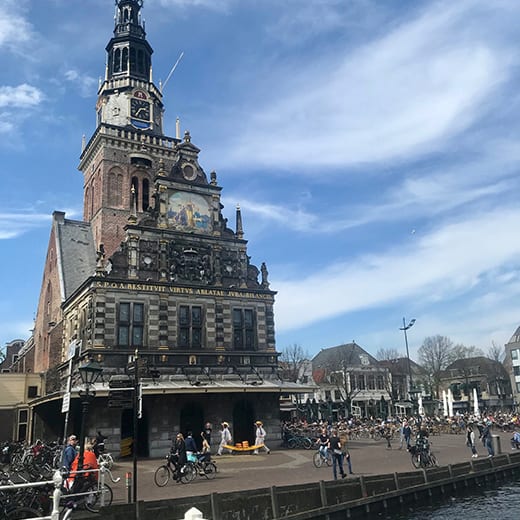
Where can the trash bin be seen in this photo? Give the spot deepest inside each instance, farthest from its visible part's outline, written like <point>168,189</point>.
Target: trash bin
<point>497,448</point>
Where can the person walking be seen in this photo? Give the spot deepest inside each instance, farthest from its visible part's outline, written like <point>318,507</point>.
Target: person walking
<point>343,438</point>
<point>207,432</point>
<point>407,433</point>
<point>487,441</point>
<point>337,456</point>
<point>69,453</point>
<point>470,441</point>
<point>225,438</point>
<point>260,438</point>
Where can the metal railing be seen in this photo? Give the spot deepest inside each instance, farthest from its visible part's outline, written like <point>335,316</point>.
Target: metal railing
<point>59,483</point>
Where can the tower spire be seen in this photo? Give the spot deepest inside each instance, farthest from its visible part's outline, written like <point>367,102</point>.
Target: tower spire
<point>239,230</point>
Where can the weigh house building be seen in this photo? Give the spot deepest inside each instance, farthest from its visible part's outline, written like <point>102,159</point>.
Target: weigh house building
<point>153,275</point>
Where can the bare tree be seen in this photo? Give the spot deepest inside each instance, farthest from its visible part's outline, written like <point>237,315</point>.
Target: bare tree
<point>292,360</point>
<point>387,354</point>
<point>462,352</point>
<point>496,352</point>
<point>435,354</point>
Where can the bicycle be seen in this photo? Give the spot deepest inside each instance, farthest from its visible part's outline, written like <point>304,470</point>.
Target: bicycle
<point>422,457</point>
<point>169,470</point>
<point>322,457</point>
<point>204,467</point>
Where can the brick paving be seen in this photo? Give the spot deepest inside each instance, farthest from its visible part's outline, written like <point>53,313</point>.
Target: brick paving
<point>283,467</point>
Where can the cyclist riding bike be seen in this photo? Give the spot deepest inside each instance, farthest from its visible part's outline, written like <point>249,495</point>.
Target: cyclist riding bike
<point>323,442</point>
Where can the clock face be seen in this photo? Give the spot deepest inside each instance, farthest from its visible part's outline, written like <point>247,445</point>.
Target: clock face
<point>140,109</point>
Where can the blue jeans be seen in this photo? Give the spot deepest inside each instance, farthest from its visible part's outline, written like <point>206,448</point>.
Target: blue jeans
<point>337,460</point>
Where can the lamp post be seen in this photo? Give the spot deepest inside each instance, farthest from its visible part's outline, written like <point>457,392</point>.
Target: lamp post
<point>404,328</point>
<point>89,373</point>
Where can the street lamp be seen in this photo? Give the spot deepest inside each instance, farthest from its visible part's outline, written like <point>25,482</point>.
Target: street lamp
<point>404,328</point>
<point>89,373</point>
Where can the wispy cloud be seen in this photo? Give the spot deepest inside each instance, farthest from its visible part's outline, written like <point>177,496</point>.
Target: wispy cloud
<point>22,96</point>
<point>13,225</point>
<point>441,265</point>
<point>85,83</point>
<point>15,29</point>
<point>401,95</point>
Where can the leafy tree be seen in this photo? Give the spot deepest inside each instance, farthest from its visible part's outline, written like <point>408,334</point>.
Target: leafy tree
<point>387,354</point>
<point>292,361</point>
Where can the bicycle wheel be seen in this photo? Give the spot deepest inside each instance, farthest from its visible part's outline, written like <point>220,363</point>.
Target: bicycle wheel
<point>377,436</point>
<point>318,459</point>
<point>162,475</point>
<point>433,460</point>
<point>291,444</point>
<point>416,460</point>
<point>210,470</point>
<point>307,443</point>
<point>188,473</point>
<point>22,512</point>
<point>93,499</point>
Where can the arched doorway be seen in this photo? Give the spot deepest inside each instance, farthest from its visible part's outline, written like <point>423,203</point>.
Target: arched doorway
<point>243,419</point>
<point>192,420</point>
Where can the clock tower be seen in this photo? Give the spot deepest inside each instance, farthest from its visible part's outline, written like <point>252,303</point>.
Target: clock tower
<point>128,144</point>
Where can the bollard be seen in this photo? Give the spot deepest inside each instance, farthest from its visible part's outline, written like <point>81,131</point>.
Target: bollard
<point>193,514</point>
<point>128,481</point>
<point>497,447</point>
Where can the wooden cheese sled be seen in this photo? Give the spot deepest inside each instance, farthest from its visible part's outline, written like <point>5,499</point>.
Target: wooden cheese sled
<point>243,447</point>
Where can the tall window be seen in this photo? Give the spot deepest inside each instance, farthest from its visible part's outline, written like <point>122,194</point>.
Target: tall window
<point>131,324</point>
<point>23,420</point>
<point>244,329</point>
<point>190,326</point>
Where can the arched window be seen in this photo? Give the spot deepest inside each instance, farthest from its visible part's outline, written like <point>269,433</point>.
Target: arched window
<point>117,60</point>
<point>132,60</point>
<point>146,194</point>
<point>124,64</point>
<point>85,203</point>
<point>140,61</point>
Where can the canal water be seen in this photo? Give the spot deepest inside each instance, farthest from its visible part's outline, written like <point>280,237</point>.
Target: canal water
<point>482,503</point>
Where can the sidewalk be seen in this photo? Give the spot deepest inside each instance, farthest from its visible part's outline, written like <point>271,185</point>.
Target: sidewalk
<point>284,467</point>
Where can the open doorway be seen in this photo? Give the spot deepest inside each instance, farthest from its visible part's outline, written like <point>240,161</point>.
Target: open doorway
<point>243,419</point>
<point>192,420</point>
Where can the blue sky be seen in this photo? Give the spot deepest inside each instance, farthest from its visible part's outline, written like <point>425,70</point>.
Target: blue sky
<point>372,145</point>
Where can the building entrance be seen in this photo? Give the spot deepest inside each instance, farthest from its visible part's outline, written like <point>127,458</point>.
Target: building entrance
<point>243,422</point>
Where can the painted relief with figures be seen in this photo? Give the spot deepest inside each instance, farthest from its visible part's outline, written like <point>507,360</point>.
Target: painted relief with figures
<point>189,211</point>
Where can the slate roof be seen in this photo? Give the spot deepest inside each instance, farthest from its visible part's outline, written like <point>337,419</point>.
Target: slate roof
<point>350,353</point>
<point>515,338</point>
<point>399,366</point>
<point>487,366</point>
<point>77,253</point>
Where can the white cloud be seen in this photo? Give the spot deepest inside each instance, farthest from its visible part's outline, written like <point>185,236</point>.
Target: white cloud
<point>15,30</point>
<point>442,265</point>
<point>22,96</point>
<point>84,82</point>
<point>401,95</point>
<point>13,225</point>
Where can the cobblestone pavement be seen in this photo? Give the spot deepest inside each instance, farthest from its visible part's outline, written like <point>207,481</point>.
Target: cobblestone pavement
<point>283,467</point>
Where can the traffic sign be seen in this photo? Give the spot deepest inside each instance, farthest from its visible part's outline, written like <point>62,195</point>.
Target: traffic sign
<point>65,407</point>
<point>123,404</point>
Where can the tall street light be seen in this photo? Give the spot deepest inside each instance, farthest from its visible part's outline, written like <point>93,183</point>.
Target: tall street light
<point>404,328</point>
<point>89,373</point>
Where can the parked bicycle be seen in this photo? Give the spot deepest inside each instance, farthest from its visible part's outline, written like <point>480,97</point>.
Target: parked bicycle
<point>170,469</point>
<point>299,442</point>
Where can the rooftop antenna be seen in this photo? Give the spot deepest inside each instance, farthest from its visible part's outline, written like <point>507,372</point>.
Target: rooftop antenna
<point>172,71</point>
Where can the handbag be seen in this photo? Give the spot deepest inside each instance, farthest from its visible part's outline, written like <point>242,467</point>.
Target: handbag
<point>337,452</point>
